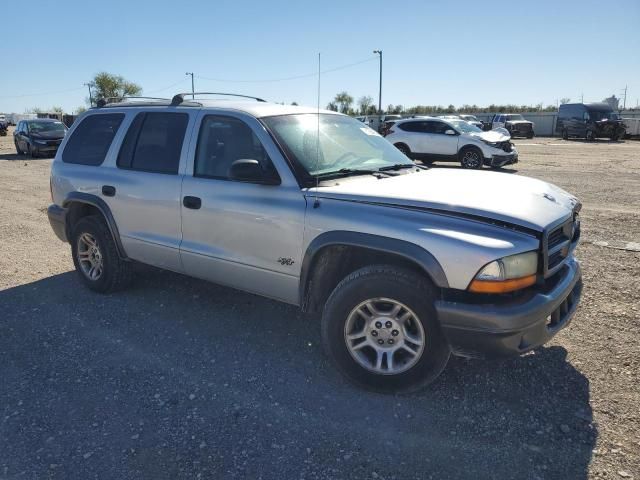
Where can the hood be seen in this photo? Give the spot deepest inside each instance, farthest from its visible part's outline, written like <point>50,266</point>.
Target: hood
<point>493,136</point>
<point>503,197</point>
<point>48,135</point>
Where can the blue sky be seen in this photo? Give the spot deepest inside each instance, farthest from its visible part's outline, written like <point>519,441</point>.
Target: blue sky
<point>481,51</point>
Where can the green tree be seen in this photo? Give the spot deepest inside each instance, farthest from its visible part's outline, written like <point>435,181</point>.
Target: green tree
<point>364,103</point>
<point>80,110</point>
<point>332,106</point>
<point>344,101</point>
<point>108,86</point>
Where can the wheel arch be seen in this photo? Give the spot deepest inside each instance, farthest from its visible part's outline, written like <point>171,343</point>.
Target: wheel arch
<point>331,256</point>
<point>80,204</point>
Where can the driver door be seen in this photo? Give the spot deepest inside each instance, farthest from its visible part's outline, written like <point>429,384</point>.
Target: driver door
<point>441,143</point>
<point>246,235</point>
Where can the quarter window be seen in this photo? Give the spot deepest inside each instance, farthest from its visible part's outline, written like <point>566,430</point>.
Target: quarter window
<point>91,140</point>
<point>222,141</point>
<point>154,142</point>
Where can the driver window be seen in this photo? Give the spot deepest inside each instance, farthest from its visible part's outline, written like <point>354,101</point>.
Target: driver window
<point>437,127</point>
<point>222,141</point>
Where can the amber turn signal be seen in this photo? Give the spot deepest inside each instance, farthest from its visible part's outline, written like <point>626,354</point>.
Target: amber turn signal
<point>502,286</point>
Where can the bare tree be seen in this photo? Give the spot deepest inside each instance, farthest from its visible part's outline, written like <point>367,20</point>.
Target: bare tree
<point>564,100</point>
<point>364,103</point>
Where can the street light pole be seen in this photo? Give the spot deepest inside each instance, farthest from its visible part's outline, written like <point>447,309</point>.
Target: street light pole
<point>379,52</point>
<point>193,96</point>
<point>90,97</point>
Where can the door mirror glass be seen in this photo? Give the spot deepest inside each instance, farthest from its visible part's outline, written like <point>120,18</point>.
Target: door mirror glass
<point>249,170</point>
<point>449,132</point>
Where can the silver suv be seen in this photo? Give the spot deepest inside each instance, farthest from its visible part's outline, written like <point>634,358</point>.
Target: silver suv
<point>405,264</point>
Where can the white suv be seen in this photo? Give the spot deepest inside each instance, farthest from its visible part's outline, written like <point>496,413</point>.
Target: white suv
<point>437,139</point>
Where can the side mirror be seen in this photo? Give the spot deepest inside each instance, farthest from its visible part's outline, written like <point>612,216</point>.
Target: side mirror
<point>249,170</point>
<point>449,132</point>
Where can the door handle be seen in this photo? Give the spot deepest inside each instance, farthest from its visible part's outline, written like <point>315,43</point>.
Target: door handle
<point>108,191</point>
<point>192,202</point>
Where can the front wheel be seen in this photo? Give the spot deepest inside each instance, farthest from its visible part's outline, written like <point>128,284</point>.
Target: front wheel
<point>380,328</point>
<point>590,137</point>
<point>18,150</point>
<point>471,158</point>
<point>530,135</point>
<point>565,134</point>
<point>404,149</point>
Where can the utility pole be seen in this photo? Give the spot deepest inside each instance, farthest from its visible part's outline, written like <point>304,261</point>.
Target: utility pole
<point>193,95</point>
<point>582,98</point>
<point>624,102</point>
<point>379,52</point>
<point>90,96</point>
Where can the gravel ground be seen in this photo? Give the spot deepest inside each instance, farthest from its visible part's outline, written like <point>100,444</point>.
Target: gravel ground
<point>179,378</point>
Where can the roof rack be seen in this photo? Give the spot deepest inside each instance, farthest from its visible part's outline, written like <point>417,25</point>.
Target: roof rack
<point>179,97</point>
<point>109,100</point>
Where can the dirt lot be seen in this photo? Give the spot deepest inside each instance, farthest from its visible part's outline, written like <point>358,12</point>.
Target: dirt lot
<point>178,378</point>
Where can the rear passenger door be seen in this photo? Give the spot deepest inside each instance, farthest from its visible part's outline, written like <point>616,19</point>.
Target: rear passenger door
<point>142,188</point>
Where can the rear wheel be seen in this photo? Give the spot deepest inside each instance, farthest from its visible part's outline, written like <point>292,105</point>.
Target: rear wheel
<point>380,328</point>
<point>404,149</point>
<point>590,137</point>
<point>96,258</point>
<point>471,157</point>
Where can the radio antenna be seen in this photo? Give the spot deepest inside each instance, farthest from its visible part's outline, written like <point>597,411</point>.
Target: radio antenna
<point>316,202</point>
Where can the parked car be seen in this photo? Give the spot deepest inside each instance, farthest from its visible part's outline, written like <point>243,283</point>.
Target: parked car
<point>35,137</point>
<point>405,264</point>
<point>438,139</point>
<point>514,123</point>
<point>3,125</point>
<point>473,120</point>
<point>589,121</point>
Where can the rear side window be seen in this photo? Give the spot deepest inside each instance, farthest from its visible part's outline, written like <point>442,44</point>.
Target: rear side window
<point>154,142</point>
<point>412,126</point>
<point>90,142</point>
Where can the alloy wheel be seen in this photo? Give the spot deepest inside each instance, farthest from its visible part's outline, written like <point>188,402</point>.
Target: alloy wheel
<point>384,336</point>
<point>90,257</point>
<point>471,159</point>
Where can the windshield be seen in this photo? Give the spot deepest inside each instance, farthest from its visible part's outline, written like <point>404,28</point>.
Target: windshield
<point>470,118</point>
<point>598,115</point>
<point>514,117</point>
<point>344,143</point>
<point>40,127</point>
<point>464,127</point>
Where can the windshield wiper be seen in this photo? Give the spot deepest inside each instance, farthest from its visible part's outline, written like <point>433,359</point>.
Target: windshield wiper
<point>397,166</point>
<point>353,171</point>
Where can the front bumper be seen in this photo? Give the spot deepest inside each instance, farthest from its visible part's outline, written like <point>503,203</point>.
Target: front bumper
<point>512,326</point>
<point>502,159</point>
<point>58,220</point>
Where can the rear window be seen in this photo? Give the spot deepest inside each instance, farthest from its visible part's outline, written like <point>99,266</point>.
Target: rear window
<point>154,142</point>
<point>91,140</point>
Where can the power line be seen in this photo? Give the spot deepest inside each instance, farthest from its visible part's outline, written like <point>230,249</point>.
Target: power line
<point>295,77</point>
<point>167,88</point>
<point>44,93</point>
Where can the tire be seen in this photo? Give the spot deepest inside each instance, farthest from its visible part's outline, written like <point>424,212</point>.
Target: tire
<point>116,274</point>
<point>399,372</point>
<point>471,157</point>
<point>404,149</point>
<point>530,135</point>
<point>589,136</point>
<point>18,151</point>
<point>565,134</point>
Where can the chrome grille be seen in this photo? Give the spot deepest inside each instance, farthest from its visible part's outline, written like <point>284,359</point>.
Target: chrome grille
<point>558,243</point>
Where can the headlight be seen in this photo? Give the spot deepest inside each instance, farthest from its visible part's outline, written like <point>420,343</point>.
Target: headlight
<point>507,274</point>
<point>491,144</point>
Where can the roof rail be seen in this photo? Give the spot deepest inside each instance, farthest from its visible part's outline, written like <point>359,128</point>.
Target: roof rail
<point>179,97</point>
<point>108,100</point>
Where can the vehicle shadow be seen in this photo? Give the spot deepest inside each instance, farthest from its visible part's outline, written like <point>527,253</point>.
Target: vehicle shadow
<point>16,156</point>
<point>177,376</point>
